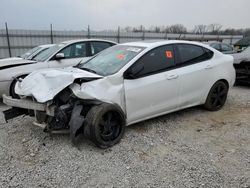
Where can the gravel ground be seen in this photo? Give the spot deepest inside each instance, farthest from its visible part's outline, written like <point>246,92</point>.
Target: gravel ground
<point>190,148</point>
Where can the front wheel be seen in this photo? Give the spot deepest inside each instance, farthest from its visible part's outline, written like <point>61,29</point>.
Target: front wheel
<point>12,88</point>
<point>105,125</point>
<point>217,96</point>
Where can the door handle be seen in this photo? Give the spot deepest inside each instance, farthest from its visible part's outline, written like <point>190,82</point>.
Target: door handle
<point>209,67</point>
<point>173,76</point>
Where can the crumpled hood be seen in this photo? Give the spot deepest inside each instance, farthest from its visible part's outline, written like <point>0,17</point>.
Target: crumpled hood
<point>13,62</point>
<point>243,56</point>
<point>44,84</point>
<point>10,59</point>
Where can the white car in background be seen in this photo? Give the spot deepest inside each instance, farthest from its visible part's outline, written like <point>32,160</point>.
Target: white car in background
<point>243,56</point>
<point>65,54</point>
<point>123,85</point>
<point>35,51</point>
<point>29,55</point>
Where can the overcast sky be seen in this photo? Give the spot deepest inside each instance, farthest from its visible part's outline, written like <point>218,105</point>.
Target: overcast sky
<point>108,14</point>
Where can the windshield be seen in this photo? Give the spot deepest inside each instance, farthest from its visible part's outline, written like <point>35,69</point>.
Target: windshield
<point>33,56</point>
<point>30,52</point>
<point>47,53</point>
<point>246,50</point>
<point>111,60</point>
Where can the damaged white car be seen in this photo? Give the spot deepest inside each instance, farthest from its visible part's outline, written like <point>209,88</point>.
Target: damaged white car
<point>123,85</point>
<point>242,65</point>
<point>65,54</point>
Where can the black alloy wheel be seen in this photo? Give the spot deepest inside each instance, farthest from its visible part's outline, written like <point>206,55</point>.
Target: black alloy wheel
<point>217,96</point>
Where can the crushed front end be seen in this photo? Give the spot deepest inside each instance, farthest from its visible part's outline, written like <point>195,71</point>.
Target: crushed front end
<point>65,112</point>
<point>73,100</point>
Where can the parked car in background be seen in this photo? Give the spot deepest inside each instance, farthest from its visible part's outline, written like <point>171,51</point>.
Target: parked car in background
<point>65,54</point>
<point>242,65</point>
<point>123,85</point>
<point>35,51</point>
<point>242,44</point>
<point>222,47</point>
<point>29,55</point>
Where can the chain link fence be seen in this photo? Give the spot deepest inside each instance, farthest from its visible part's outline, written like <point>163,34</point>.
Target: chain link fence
<point>16,42</point>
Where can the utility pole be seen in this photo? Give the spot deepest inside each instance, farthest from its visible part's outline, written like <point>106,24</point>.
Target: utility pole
<point>88,32</point>
<point>8,38</point>
<point>51,34</point>
<point>118,34</point>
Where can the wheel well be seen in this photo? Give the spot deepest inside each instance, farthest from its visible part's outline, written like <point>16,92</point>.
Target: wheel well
<point>225,81</point>
<point>11,85</point>
<point>222,80</point>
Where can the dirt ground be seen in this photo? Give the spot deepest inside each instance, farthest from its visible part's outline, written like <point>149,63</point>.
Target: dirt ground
<point>190,148</point>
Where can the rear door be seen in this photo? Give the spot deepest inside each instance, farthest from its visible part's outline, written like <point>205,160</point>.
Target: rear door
<point>155,89</point>
<point>73,54</point>
<point>195,73</point>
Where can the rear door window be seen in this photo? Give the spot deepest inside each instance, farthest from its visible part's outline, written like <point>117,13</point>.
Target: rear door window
<point>190,54</point>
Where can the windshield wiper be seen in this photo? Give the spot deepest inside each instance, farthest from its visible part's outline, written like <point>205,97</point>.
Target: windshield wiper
<point>78,64</point>
<point>87,69</point>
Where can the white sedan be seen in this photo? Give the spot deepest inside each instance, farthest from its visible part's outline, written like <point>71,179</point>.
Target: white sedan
<point>30,54</point>
<point>123,85</point>
<point>65,54</point>
<point>25,58</point>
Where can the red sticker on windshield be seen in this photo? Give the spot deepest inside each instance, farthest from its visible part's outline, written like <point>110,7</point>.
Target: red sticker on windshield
<point>120,56</point>
<point>169,54</point>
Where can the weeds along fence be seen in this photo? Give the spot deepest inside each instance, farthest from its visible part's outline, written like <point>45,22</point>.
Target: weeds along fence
<point>15,42</point>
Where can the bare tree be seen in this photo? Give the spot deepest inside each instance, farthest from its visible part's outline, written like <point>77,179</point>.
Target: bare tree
<point>177,28</point>
<point>140,28</point>
<point>127,29</point>
<point>151,29</point>
<point>247,32</point>
<point>156,29</point>
<point>200,29</point>
<point>215,28</point>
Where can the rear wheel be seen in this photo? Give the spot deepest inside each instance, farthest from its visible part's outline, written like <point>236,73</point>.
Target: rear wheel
<point>217,96</point>
<point>104,125</point>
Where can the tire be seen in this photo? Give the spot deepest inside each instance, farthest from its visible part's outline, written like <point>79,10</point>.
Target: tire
<point>217,96</point>
<point>12,88</point>
<point>104,125</point>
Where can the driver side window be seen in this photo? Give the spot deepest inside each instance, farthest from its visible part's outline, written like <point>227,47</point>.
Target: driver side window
<point>76,50</point>
<point>156,61</point>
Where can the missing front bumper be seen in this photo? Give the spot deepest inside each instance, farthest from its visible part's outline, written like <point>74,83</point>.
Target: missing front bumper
<point>23,103</point>
<point>67,117</point>
<point>25,107</point>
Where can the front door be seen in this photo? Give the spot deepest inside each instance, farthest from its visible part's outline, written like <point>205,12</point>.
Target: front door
<point>155,89</point>
<point>73,54</point>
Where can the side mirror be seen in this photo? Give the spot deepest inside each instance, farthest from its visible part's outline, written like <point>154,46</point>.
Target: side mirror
<point>59,56</point>
<point>133,71</point>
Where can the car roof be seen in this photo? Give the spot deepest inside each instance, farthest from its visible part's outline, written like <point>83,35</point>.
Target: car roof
<point>213,42</point>
<point>151,44</point>
<point>86,40</point>
<point>46,45</point>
